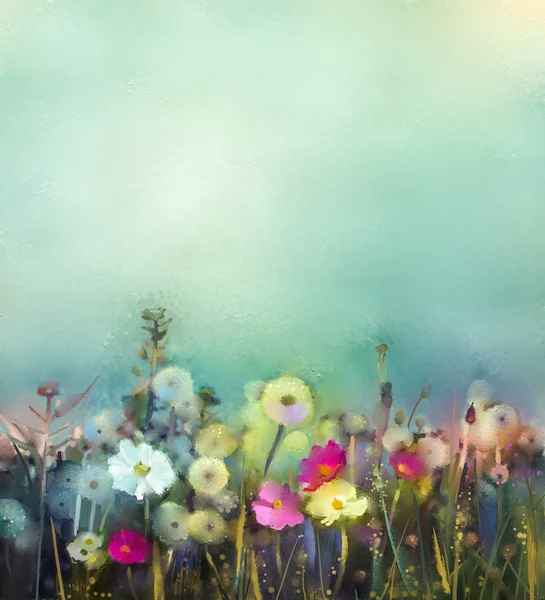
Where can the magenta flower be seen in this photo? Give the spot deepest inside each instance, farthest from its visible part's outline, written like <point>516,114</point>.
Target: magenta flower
<point>323,464</point>
<point>278,506</point>
<point>407,465</point>
<point>129,547</point>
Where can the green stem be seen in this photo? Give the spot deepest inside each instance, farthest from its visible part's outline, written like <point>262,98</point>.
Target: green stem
<point>286,569</point>
<point>146,516</point>
<point>274,448</point>
<point>131,583</point>
<point>105,515</point>
<point>414,410</point>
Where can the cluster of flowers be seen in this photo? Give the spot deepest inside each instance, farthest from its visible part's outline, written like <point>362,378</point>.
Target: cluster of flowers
<point>175,475</point>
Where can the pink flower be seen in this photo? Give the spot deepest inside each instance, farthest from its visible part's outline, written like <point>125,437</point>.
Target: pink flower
<point>323,464</point>
<point>129,547</point>
<point>407,465</point>
<point>278,506</point>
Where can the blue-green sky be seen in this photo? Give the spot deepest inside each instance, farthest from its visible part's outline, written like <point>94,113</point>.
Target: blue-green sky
<point>296,181</point>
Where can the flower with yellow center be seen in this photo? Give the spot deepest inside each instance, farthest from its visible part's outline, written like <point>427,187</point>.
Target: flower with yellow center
<point>140,470</point>
<point>215,441</point>
<point>334,500</point>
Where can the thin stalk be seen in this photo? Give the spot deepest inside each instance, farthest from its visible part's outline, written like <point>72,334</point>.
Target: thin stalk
<point>43,485</point>
<point>223,591</point>
<point>105,515</point>
<point>395,500</point>
<point>320,563</point>
<point>277,551</point>
<point>146,516</point>
<point>131,583</point>
<point>286,570</point>
<point>274,448</point>
<point>342,564</point>
<point>57,562</point>
<point>6,556</point>
<point>414,410</point>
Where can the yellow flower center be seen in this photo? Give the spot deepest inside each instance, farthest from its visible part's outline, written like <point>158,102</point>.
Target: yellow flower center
<point>337,504</point>
<point>88,541</point>
<point>93,559</point>
<point>288,400</point>
<point>277,504</point>
<point>125,549</point>
<point>141,469</point>
<point>401,468</point>
<point>324,471</point>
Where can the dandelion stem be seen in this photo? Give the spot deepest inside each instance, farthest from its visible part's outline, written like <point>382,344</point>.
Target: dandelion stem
<point>286,569</point>
<point>105,515</point>
<point>277,550</point>
<point>342,564</point>
<point>274,448</point>
<point>320,563</point>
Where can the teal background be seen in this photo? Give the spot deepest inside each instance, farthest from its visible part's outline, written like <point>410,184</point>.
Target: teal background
<point>295,181</point>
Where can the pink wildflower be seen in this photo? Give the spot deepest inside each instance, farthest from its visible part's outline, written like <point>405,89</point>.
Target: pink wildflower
<point>278,506</point>
<point>129,547</point>
<point>407,465</point>
<point>323,464</point>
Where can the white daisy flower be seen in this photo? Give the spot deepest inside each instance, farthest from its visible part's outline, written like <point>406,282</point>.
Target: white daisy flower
<point>83,547</point>
<point>334,500</point>
<point>94,483</point>
<point>207,527</point>
<point>215,441</point>
<point>397,438</point>
<point>140,470</point>
<point>171,523</point>
<point>208,476</point>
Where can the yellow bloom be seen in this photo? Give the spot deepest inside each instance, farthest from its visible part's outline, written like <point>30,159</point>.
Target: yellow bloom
<point>215,441</point>
<point>334,500</point>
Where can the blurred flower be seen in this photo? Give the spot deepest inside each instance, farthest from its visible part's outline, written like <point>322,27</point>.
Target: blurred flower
<point>500,473</point>
<point>207,527</point>
<point>96,560</point>
<point>354,423</point>
<point>59,501</point>
<point>140,470</point>
<point>66,476</point>
<point>208,476</point>
<point>84,546</point>
<point>397,438</point>
<point>334,500</point>
<point>470,539</point>
<point>295,443</point>
<point>322,465</point>
<point>179,451</point>
<point>129,547</point>
<point>407,465</point>
<point>226,503</point>
<point>13,518</point>
<point>411,540</point>
<point>48,388</point>
<point>287,400</point>
<point>172,384</point>
<point>434,451</point>
<point>253,390</point>
<point>94,483</point>
<point>531,441</point>
<point>102,429</point>
<point>7,452</point>
<point>278,506</point>
<point>215,441</point>
<point>171,523</point>
<point>420,422</point>
<point>327,429</point>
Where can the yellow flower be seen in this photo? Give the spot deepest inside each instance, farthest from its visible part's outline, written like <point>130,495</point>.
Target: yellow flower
<point>334,500</point>
<point>215,441</point>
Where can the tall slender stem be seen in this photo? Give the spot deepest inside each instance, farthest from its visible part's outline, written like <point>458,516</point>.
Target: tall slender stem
<point>342,564</point>
<point>274,448</point>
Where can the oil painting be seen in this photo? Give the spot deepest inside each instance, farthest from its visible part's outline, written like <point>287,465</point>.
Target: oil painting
<point>272,312</point>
